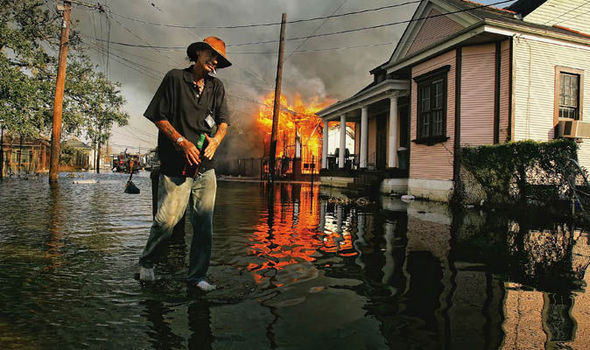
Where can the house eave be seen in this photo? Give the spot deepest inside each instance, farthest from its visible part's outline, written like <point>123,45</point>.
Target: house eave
<point>373,94</point>
<point>487,26</point>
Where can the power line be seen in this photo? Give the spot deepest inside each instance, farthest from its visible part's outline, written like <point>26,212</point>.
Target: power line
<point>565,13</point>
<point>323,34</point>
<point>139,37</point>
<point>315,30</point>
<point>123,60</point>
<point>158,73</point>
<point>316,50</point>
<point>264,24</point>
<point>128,134</point>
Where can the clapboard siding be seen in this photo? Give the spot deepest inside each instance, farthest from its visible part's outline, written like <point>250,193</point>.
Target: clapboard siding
<point>434,162</point>
<point>477,95</point>
<point>433,30</point>
<point>572,14</point>
<point>505,92</point>
<point>534,88</point>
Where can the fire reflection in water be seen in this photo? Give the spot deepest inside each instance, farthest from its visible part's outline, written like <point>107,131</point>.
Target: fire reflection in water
<point>294,232</point>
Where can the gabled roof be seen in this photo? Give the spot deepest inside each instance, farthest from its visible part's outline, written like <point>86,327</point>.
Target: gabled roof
<point>463,13</point>
<point>466,14</point>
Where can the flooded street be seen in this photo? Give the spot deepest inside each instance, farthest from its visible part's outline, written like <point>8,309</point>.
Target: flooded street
<point>296,269</point>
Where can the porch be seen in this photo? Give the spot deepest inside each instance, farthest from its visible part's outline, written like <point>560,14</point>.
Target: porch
<point>374,124</point>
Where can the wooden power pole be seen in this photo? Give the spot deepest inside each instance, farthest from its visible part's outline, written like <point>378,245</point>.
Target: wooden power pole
<point>277,102</point>
<point>59,92</point>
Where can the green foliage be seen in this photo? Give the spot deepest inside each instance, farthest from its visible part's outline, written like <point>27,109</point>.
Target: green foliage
<point>516,170</point>
<point>29,44</point>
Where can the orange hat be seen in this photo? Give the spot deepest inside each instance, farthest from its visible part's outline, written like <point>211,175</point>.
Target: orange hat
<point>213,43</point>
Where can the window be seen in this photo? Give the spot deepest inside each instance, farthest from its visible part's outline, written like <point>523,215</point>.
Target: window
<point>569,95</point>
<point>432,106</point>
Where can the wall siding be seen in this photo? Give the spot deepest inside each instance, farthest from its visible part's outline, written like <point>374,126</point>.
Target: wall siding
<point>572,14</point>
<point>477,95</point>
<point>534,86</point>
<point>433,30</point>
<point>433,162</point>
<point>505,92</point>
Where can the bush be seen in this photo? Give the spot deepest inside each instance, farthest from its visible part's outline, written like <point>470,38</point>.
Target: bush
<point>515,171</point>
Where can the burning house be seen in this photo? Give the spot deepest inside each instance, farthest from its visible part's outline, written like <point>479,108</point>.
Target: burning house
<point>299,136</point>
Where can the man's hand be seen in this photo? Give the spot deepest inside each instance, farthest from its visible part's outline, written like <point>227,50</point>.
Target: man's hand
<point>212,144</point>
<point>192,154</point>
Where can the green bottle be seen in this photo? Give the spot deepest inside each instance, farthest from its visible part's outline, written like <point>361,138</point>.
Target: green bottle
<point>201,142</point>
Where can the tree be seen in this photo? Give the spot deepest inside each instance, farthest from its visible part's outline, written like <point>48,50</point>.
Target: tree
<point>29,38</point>
<point>101,102</point>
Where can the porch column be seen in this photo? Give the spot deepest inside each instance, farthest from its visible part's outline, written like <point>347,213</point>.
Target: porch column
<point>364,136</point>
<point>342,141</point>
<point>392,145</point>
<point>325,146</point>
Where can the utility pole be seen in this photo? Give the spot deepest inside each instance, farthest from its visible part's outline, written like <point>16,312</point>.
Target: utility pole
<point>59,91</point>
<point>277,102</point>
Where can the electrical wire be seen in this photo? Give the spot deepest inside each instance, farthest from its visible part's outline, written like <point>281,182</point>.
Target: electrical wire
<point>315,30</point>
<point>268,24</point>
<point>565,13</point>
<point>161,47</point>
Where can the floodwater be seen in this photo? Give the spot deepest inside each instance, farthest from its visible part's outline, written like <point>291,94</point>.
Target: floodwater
<point>297,268</point>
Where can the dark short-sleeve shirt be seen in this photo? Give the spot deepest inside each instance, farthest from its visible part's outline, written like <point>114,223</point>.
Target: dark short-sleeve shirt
<point>177,100</point>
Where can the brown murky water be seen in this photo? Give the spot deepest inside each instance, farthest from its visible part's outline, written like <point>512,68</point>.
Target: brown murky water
<point>297,268</point>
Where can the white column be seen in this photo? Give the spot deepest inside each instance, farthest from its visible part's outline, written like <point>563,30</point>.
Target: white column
<point>389,262</point>
<point>325,146</point>
<point>342,141</point>
<point>364,136</point>
<point>392,146</point>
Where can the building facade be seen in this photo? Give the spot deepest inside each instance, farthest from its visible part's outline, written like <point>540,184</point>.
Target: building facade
<point>465,74</point>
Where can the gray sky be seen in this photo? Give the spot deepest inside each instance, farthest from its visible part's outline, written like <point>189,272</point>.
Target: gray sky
<point>333,67</point>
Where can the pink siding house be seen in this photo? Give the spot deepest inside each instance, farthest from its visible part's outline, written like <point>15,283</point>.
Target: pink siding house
<point>463,74</point>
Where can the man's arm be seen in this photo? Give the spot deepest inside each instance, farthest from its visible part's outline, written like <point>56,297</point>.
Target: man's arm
<point>216,140</point>
<point>190,150</point>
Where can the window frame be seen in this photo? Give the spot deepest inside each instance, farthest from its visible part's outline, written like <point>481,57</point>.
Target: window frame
<point>428,80</point>
<point>556,105</point>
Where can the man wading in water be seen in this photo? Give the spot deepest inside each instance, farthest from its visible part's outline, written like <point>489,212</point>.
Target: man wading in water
<point>187,107</point>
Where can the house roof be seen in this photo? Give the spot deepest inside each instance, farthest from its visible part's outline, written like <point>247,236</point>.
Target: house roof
<point>75,143</point>
<point>470,14</point>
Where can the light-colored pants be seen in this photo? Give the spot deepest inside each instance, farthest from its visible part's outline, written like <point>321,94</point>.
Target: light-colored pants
<point>174,194</point>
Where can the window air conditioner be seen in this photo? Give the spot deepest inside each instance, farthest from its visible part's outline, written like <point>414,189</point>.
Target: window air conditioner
<point>573,129</point>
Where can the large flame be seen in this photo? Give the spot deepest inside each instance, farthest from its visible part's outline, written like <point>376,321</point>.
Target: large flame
<point>297,121</point>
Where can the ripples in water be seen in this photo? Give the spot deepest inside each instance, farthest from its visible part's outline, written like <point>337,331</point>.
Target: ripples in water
<point>295,268</point>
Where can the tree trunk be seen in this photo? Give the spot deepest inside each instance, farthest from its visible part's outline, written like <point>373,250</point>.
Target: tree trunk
<point>98,159</point>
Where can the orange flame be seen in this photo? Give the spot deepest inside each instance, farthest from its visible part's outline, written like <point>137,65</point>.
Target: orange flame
<point>298,123</point>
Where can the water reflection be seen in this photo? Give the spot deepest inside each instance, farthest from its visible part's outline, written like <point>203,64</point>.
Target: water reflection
<point>55,239</point>
<point>298,268</point>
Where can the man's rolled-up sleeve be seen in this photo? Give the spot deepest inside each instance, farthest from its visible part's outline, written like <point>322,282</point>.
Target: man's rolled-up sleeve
<point>160,106</point>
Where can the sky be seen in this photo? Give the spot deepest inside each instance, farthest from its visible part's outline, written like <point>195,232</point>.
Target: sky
<point>331,67</point>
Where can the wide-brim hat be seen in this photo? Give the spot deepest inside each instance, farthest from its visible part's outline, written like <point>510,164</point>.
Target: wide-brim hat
<point>213,43</point>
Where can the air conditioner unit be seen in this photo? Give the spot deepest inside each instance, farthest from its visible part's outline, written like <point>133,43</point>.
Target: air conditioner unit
<point>573,129</point>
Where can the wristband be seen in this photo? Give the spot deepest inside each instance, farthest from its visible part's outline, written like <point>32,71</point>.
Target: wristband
<point>179,140</point>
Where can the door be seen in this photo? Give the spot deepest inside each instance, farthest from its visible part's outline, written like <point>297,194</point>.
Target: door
<point>381,139</point>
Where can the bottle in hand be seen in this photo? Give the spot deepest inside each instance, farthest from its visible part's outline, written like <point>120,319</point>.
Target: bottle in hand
<point>193,170</point>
